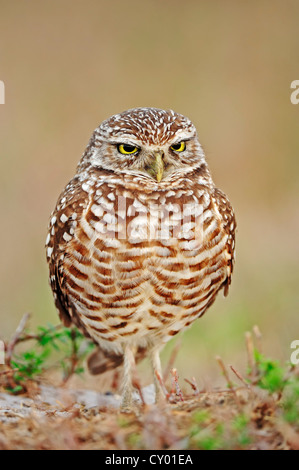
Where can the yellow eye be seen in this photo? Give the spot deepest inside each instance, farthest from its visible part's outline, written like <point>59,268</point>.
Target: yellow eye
<point>179,147</point>
<point>127,149</point>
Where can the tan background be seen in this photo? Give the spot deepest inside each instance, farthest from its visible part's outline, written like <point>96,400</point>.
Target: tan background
<point>227,65</point>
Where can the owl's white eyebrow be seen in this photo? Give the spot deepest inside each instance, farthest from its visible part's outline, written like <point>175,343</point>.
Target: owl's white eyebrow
<point>123,141</point>
<point>178,141</point>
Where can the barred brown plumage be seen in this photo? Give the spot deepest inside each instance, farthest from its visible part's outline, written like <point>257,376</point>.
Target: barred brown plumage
<point>141,240</point>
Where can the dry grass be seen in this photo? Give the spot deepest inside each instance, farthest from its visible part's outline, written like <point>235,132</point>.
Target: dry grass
<point>254,410</point>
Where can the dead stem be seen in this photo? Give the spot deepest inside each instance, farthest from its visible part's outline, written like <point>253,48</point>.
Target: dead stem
<point>15,338</point>
<point>172,359</point>
<point>250,353</point>
<point>247,385</point>
<point>193,385</point>
<point>258,336</point>
<point>161,383</point>
<point>176,390</point>
<point>228,381</point>
<point>74,359</point>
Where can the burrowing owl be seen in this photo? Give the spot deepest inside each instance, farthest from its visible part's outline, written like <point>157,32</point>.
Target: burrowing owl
<point>141,240</point>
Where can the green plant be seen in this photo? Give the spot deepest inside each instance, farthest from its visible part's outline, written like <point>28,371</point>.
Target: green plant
<point>271,376</point>
<point>240,425</point>
<point>290,401</point>
<point>49,346</point>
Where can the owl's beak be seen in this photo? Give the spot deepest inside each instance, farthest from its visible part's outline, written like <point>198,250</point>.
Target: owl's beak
<point>156,168</point>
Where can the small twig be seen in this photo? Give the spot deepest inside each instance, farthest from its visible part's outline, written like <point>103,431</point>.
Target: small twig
<point>161,383</point>
<point>250,353</point>
<point>8,371</point>
<point>73,358</point>
<point>229,382</point>
<point>15,338</point>
<point>40,336</point>
<point>224,371</point>
<point>222,390</point>
<point>193,385</point>
<point>115,380</point>
<point>172,359</point>
<point>136,384</point>
<point>175,381</point>
<point>258,336</point>
<point>240,377</point>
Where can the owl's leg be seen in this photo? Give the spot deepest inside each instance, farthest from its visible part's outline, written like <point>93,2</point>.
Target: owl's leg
<point>128,368</point>
<point>158,375</point>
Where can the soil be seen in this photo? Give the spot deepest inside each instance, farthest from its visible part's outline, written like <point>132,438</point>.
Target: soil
<point>49,417</point>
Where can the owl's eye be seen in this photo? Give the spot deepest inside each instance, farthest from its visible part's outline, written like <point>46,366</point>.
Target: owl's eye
<point>127,149</point>
<point>179,147</point>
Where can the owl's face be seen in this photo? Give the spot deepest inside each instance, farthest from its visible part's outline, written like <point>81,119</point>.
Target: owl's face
<point>147,141</point>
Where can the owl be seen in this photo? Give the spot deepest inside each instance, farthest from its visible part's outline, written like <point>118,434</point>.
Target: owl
<point>140,241</point>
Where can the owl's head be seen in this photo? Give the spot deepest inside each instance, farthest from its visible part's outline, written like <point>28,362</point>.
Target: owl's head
<point>148,142</point>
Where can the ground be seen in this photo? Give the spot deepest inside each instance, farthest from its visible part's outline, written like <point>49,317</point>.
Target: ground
<point>258,409</point>
<point>48,417</point>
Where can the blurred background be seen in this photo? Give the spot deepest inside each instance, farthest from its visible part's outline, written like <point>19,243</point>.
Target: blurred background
<point>67,65</point>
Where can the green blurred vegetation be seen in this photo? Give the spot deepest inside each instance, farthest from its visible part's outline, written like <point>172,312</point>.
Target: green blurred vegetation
<point>228,66</point>
<point>50,348</point>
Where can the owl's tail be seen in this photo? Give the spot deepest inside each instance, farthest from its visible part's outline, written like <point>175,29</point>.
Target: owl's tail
<point>101,361</point>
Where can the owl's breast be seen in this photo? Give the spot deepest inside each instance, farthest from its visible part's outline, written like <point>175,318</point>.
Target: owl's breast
<point>140,270</point>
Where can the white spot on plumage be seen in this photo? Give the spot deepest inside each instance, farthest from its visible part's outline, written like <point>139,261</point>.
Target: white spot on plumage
<point>131,211</point>
<point>110,218</point>
<point>108,206</point>
<point>111,196</point>
<point>163,251</point>
<point>97,210</point>
<point>112,242</point>
<point>49,251</point>
<point>140,207</point>
<point>85,187</point>
<point>66,237</point>
<point>100,227</point>
<point>63,218</point>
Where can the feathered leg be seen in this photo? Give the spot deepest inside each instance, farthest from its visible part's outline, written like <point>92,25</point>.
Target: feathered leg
<point>157,371</point>
<point>128,368</point>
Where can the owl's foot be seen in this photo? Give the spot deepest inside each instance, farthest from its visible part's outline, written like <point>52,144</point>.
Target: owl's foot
<point>126,402</point>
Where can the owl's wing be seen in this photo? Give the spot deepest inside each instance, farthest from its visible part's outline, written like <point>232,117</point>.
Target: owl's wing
<point>229,226</point>
<point>62,226</point>
<point>100,360</point>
